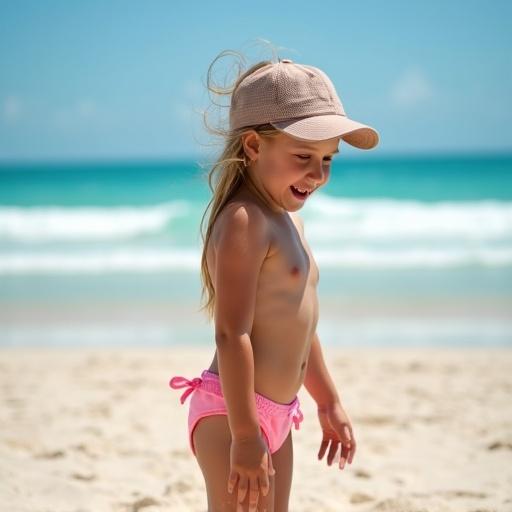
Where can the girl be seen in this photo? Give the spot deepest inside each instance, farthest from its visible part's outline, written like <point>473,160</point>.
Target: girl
<point>285,123</point>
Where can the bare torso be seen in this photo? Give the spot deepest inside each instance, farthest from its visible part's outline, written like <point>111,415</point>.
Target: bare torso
<point>286,311</point>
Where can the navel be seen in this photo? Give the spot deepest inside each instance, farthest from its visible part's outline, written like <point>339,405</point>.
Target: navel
<point>303,365</point>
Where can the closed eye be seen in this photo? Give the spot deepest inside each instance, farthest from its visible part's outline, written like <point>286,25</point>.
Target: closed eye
<point>305,157</point>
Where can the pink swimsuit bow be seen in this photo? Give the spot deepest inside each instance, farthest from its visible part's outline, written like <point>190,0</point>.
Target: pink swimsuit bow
<point>296,415</point>
<point>182,382</point>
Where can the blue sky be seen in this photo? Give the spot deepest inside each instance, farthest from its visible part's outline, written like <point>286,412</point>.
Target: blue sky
<point>124,79</point>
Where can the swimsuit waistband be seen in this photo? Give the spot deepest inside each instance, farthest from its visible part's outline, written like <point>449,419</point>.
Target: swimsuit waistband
<point>211,382</point>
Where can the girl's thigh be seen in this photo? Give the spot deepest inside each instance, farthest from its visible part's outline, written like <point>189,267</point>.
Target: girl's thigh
<point>282,460</point>
<point>212,442</point>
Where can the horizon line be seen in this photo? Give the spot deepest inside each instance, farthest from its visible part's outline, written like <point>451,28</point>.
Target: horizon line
<point>198,158</point>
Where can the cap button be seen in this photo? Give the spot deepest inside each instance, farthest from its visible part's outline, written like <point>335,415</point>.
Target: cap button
<point>286,60</point>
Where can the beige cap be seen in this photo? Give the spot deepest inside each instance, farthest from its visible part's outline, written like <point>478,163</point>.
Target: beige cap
<point>299,100</point>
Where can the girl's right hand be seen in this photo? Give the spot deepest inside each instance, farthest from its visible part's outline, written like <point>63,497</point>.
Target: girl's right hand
<point>251,464</point>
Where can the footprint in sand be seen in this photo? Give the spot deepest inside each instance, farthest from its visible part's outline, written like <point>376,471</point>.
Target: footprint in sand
<point>83,477</point>
<point>179,454</point>
<point>403,504</point>
<point>463,494</point>
<point>146,501</point>
<point>176,488</point>
<point>417,392</point>
<point>360,497</point>
<point>100,410</point>
<point>416,366</point>
<point>25,445</point>
<point>500,445</point>
<point>83,448</point>
<point>51,454</point>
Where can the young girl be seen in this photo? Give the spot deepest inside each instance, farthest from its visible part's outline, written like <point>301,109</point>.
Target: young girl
<point>285,123</point>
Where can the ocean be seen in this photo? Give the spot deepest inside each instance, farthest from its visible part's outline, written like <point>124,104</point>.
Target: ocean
<point>412,250</point>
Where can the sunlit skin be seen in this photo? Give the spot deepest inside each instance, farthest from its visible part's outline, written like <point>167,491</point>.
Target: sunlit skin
<point>285,351</point>
<point>276,163</point>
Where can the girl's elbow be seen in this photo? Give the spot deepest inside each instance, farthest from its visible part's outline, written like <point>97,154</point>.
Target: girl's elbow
<point>223,336</point>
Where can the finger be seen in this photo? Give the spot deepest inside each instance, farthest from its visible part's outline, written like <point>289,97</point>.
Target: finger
<point>263,477</point>
<point>347,434</point>
<point>233,477</point>
<point>352,445</point>
<point>264,483</point>
<point>347,442</point>
<point>345,450</point>
<point>332,451</point>
<point>271,470</point>
<point>242,488</point>
<point>323,447</point>
<point>254,491</point>
<point>352,451</point>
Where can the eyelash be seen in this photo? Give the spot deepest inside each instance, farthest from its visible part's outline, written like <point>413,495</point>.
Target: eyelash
<point>305,157</point>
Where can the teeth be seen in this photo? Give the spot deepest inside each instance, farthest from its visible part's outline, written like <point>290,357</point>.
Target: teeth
<point>302,191</point>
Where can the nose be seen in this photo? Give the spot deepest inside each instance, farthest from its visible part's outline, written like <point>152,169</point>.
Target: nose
<point>317,172</point>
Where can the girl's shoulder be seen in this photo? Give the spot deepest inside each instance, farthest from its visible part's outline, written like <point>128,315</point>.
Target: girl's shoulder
<point>241,217</point>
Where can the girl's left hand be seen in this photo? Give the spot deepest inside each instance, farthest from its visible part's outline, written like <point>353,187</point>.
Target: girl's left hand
<point>336,429</point>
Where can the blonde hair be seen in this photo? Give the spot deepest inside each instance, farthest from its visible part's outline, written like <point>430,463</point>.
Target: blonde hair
<point>228,172</point>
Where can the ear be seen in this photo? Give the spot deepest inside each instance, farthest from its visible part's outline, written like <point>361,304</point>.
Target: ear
<point>251,142</point>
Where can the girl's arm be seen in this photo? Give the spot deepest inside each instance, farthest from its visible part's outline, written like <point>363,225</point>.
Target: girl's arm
<point>317,381</point>
<point>334,421</point>
<point>241,247</point>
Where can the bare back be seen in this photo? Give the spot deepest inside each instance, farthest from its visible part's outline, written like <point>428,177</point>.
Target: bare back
<point>286,310</point>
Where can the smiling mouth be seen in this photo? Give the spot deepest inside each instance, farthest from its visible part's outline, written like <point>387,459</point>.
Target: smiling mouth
<point>298,194</point>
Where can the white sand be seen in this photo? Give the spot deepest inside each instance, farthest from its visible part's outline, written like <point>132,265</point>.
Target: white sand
<point>100,430</point>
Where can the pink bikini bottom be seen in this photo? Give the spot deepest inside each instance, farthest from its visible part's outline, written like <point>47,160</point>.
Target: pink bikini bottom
<point>275,418</point>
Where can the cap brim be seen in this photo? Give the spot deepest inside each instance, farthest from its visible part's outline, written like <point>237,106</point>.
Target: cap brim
<point>322,127</point>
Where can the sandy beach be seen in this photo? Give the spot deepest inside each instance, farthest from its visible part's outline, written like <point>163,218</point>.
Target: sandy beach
<point>86,429</point>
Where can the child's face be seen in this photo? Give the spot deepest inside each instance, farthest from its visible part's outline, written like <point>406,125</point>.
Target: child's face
<point>284,162</point>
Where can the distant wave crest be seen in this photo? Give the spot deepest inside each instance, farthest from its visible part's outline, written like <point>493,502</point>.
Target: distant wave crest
<point>327,219</point>
<point>334,218</point>
<point>51,223</point>
<point>182,259</point>
<point>343,233</point>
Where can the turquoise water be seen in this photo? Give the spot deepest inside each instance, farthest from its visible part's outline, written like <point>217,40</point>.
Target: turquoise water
<point>403,231</point>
